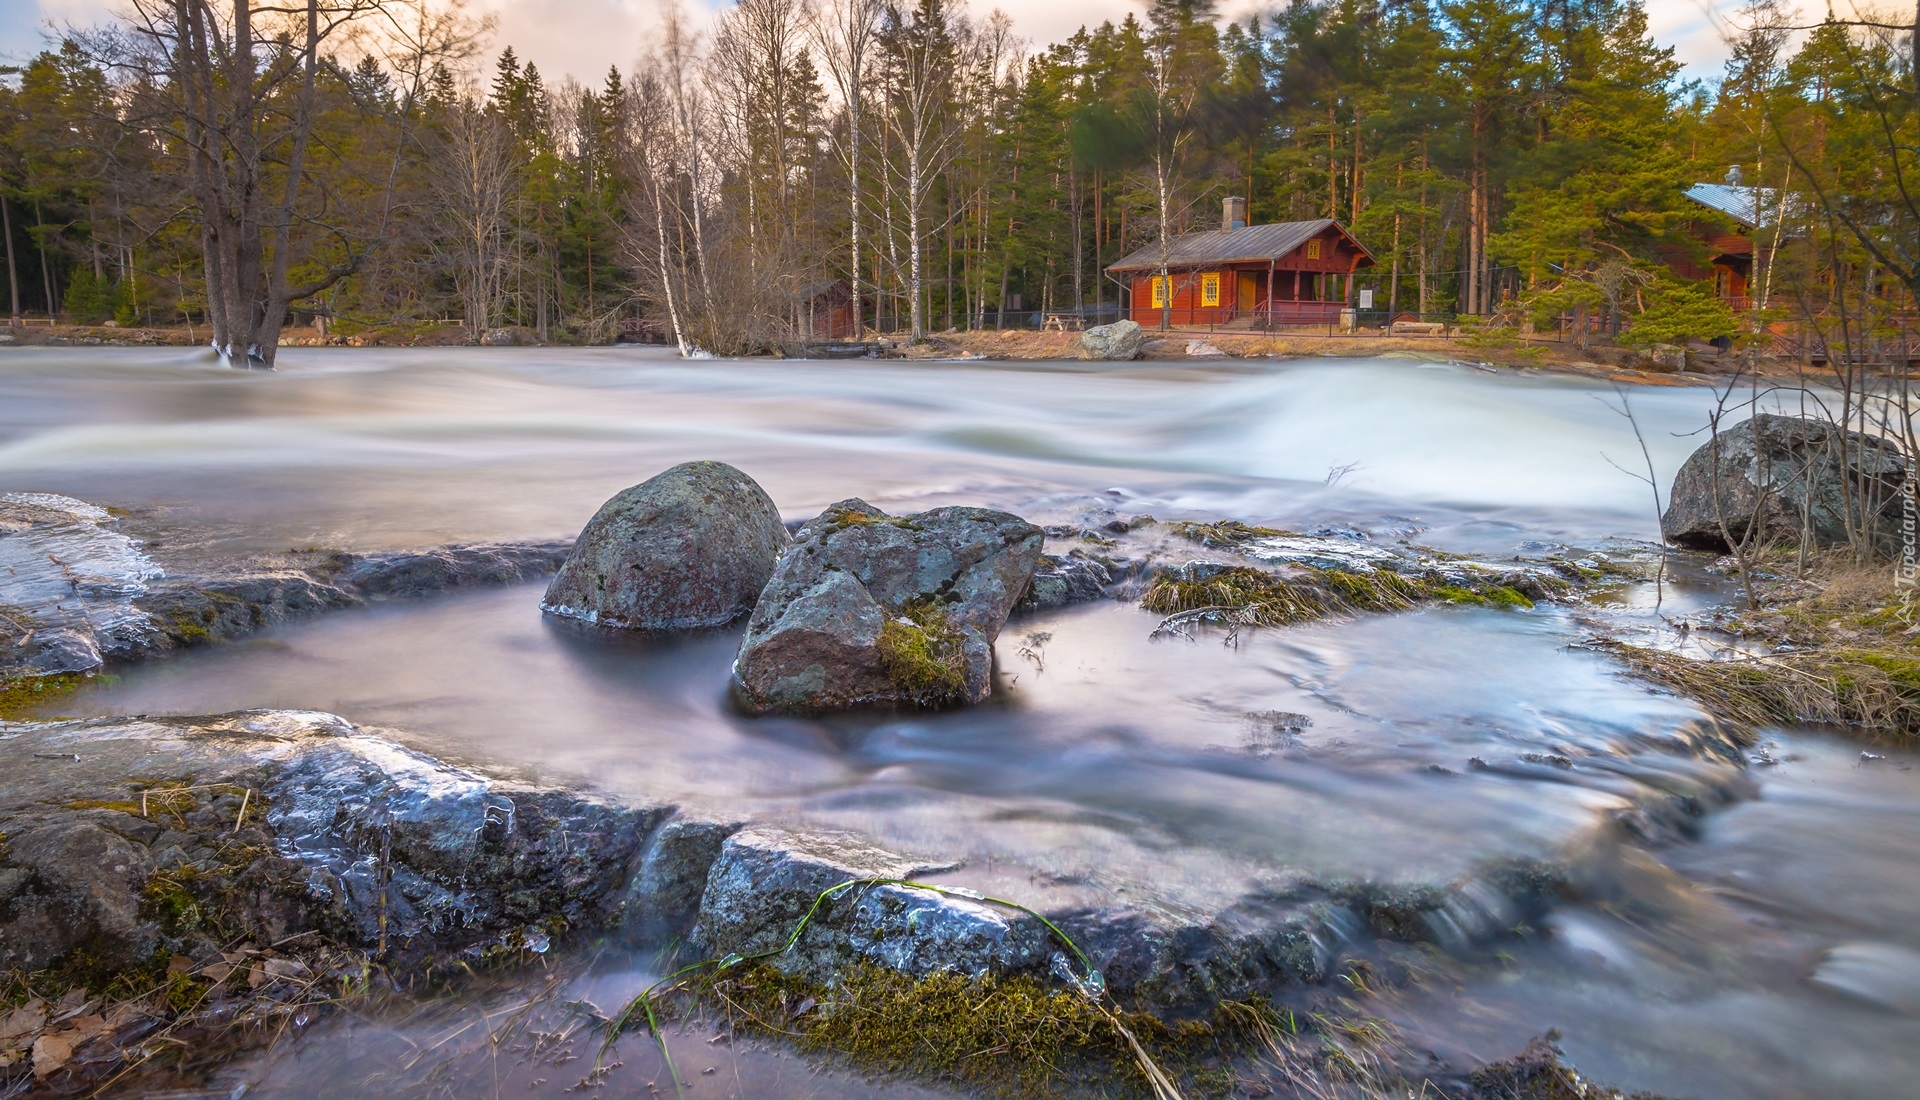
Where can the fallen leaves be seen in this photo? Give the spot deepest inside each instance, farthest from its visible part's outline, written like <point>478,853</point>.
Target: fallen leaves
<point>56,1046</point>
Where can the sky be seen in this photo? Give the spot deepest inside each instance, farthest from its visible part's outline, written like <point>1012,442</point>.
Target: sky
<point>584,37</point>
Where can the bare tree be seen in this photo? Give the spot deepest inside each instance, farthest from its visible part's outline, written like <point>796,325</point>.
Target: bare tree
<point>473,163</point>
<point>239,98</point>
<point>921,51</point>
<point>844,32</point>
<point>648,152</point>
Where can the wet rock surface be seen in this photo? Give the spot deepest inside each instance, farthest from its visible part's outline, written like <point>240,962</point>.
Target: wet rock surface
<point>1781,478</point>
<point>127,838</point>
<point>77,592</point>
<point>767,880</point>
<point>868,609</point>
<point>131,836</point>
<point>68,582</point>
<point>1075,577</point>
<point>691,547</point>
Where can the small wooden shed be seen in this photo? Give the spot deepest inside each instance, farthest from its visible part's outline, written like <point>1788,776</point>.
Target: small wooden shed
<point>1267,276</point>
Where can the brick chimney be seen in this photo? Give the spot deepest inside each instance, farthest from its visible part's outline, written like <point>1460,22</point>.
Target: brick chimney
<point>1233,215</point>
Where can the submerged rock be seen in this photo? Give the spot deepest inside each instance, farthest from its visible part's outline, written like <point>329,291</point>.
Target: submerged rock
<point>689,547</point>
<point>443,569</point>
<point>1119,341</point>
<point>767,880</point>
<point>1783,478</point>
<point>78,593</point>
<point>868,609</point>
<point>1063,580</point>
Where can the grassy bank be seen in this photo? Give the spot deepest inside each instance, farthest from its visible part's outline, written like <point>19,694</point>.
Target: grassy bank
<point>1829,641</point>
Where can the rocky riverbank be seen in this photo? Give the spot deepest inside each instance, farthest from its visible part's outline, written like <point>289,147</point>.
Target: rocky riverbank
<point>179,872</point>
<point>160,875</point>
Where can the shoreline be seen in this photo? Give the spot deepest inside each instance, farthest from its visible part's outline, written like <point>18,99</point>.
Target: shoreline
<point>1613,364</point>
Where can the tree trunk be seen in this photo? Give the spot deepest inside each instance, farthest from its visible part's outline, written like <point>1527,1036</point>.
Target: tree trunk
<point>13,275</point>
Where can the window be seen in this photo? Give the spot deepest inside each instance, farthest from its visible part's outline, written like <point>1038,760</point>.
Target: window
<point>1313,250</point>
<point>1210,289</point>
<point>1160,288</point>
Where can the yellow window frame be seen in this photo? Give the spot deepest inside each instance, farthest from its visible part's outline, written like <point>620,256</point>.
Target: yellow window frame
<point>1161,289</point>
<point>1313,250</point>
<point>1210,289</point>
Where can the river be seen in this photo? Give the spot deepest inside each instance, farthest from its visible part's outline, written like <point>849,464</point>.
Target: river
<point>1765,949</point>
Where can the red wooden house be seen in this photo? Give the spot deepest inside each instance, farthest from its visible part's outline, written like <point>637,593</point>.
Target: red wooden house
<point>1735,252</point>
<point>1287,273</point>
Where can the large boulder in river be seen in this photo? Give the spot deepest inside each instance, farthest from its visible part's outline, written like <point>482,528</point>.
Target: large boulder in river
<point>689,547</point>
<point>1119,341</point>
<point>869,610</point>
<point>1784,478</point>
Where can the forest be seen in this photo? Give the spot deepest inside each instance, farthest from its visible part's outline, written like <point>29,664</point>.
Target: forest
<point>373,163</point>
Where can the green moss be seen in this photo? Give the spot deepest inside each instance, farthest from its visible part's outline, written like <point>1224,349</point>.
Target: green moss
<point>923,655</point>
<point>1267,599</point>
<point>995,1036</point>
<point>1259,598</point>
<point>840,518</point>
<point>168,900</point>
<point>1902,670</point>
<point>1492,595</point>
<point>1226,532</point>
<point>188,630</point>
<point>1379,591</point>
<point>21,696</point>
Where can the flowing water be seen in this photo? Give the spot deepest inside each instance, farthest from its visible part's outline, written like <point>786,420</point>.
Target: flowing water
<point>1764,948</point>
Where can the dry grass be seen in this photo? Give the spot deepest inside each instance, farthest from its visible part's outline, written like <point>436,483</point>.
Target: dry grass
<point>1871,689</point>
<point>1226,532</point>
<point>1840,644</point>
<point>1240,597</point>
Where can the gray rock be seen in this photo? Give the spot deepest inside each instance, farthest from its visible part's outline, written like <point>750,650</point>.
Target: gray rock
<point>663,897</point>
<point>1119,341</point>
<point>188,611</point>
<point>767,880</point>
<point>68,585</point>
<point>691,547</point>
<point>294,822</point>
<point>1787,479</point>
<point>1185,959</point>
<point>458,853</point>
<point>78,888</point>
<point>441,570</point>
<point>1060,581</point>
<point>868,609</point>
<point>1668,357</point>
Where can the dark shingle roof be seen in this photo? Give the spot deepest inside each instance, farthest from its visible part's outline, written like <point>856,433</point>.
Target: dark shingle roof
<point>1254,244</point>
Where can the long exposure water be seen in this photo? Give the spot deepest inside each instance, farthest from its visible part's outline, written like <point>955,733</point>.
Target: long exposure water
<point>1768,950</point>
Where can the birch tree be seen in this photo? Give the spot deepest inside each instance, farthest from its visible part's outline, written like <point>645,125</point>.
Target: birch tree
<point>920,55</point>
<point>844,33</point>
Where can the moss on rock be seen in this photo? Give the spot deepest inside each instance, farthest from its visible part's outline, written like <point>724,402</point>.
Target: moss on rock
<point>923,655</point>
<point>21,696</point>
